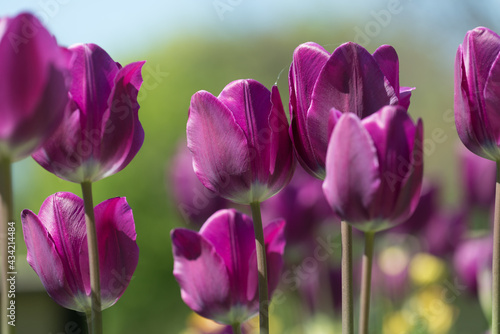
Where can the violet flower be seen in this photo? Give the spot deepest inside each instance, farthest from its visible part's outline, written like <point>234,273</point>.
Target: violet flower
<point>478,176</point>
<point>56,240</point>
<point>302,205</point>
<point>33,88</point>
<point>217,267</point>
<point>470,257</point>
<point>239,140</point>
<point>324,86</point>
<point>374,168</point>
<point>194,201</point>
<point>101,133</point>
<point>477,92</point>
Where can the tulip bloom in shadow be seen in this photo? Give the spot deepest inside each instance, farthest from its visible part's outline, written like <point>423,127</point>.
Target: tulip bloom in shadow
<point>100,135</point>
<point>322,87</point>
<point>217,267</point>
<point>33,97</point>
<point>56,240</point>
<point>242,152</point>
<point>477,96</point>
<point>374,172</point>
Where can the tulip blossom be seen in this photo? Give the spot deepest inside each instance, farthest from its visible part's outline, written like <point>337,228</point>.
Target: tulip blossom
<point>239,141</point>
<point>101,133</point>
<point>478,178</point>
<point>217,267</point>
<point>56,240</point>
<point>195,202</point>
<point>471,256</point>
<point>323,86</point>
<point>477,92</point>
<point>374,168</point>
<point>33,85</point>
<point>303,206</point>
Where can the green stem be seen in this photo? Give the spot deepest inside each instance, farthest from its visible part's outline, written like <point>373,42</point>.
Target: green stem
<point>347,297</point>
<point>95,284</point>
<point>6,216</point>
<point>366,279</point>
<point>261,267</point>
<point>495,299</point>
<point>236,328</point>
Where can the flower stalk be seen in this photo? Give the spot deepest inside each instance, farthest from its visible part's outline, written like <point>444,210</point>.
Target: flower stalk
<point>261,267</point>
<point>347,297</point>
<point>364,314</point>
<point>495,307</point>
<point>95,323</point>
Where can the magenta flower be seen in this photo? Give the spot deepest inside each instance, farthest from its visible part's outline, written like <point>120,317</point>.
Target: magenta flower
<point>194,201</point>
<point>239,140</point>
<point>323,86</point>
<point>477,92</point>
<point>302,205</point>
<point>471,256</point>
<point>102,133</point>
<point>374,168</point>
<point>217,267</point>
<point>478,176</point>
<point>56,240</point>
<point>33,88</point>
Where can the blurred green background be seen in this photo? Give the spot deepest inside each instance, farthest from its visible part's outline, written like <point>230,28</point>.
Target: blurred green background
<point>194,45</point>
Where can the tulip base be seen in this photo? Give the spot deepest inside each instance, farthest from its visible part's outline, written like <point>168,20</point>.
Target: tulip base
<point>262,268</point>
<point>366,279</point>
<point>6,215</point>
<point>95,321</point>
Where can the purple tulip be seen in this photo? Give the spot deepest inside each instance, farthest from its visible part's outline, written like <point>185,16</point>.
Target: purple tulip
<point>195,202</point>
<point>470,257</point>
<point>374,168</point>
<point>239,140</point>
<point>33,90</point>
<point>322,86</point>
<point>478,177</point>
<point>217,267</point>
<point>477,92</point>
<point>101,134</point>
<point>303,206</point>
<point>56,240</point>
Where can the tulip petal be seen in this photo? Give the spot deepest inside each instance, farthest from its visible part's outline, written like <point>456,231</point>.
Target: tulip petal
<point>43,257</point>
<point>308,60</point>
<point>387,58</point>
<point>201,274</point>
<point>392,132</point>
<point>62,214</point>
<point>121,121</point>
<point>250,103</point>
<point>404,96</point>
<point>118,250</point>
<point>351,81</point>
<point>232,236</point>
<point>492,100</point>
<point>352,170</point>
<point>274,238</point>
<point>320,126</point>
<point>409,195</point>
<point>93,73</point>
<point>219,146</point>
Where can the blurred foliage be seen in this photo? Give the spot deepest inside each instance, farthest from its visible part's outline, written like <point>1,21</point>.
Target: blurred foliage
<point>175,71</point>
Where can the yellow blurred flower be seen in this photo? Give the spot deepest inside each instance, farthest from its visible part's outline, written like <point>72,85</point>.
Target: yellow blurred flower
<point>426,269</point>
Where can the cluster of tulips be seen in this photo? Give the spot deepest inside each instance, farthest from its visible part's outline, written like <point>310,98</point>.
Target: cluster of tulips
<point>75,111</point>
